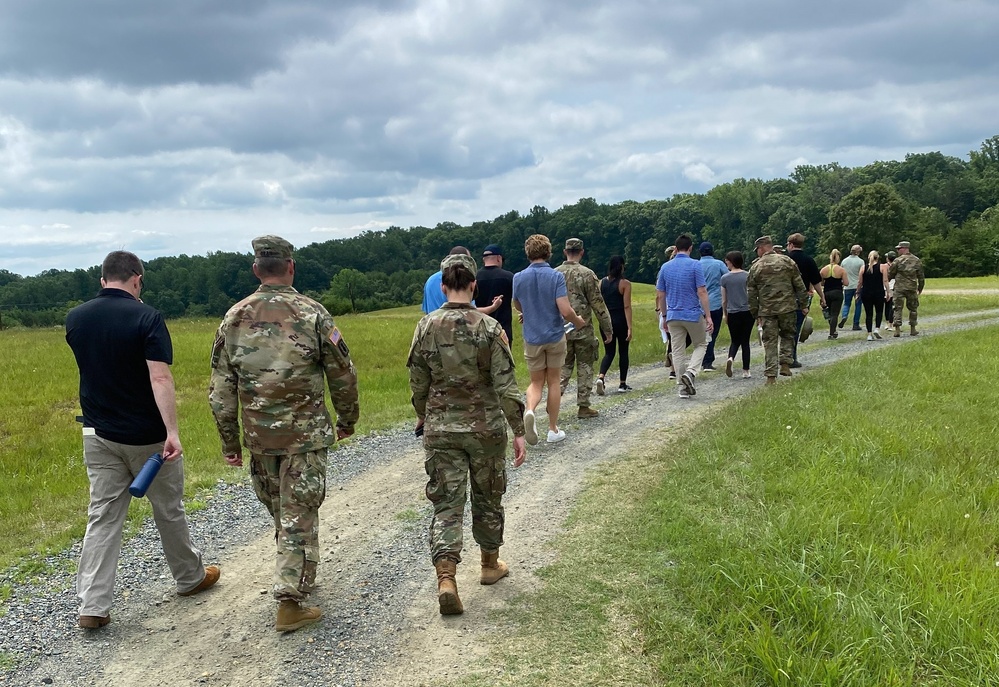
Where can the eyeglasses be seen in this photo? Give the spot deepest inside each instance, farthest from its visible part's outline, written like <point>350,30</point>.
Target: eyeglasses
<point>142,284</point>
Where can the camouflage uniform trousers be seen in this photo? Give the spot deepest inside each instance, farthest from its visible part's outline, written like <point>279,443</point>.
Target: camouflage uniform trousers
<point>583,353</point>
<point>901,298</point>
<point>293,487</point>
<point>452,461</point>
<point>778,330</point>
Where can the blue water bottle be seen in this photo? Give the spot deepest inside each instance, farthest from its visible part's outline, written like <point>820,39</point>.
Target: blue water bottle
<point>145,477</point>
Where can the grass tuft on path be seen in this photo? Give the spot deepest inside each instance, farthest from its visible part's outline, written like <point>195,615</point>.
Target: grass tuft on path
<point>840,529</point>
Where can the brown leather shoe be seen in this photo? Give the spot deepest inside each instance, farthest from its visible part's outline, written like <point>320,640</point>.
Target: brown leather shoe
<point>94,622</point>
<point>587,411</point>
<point>291,616</point>
<point>493,569</point>
<point>212,573</point>
<point>447,588</point>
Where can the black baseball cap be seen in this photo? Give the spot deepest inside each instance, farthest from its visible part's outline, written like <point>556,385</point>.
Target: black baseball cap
<point>492,249</point>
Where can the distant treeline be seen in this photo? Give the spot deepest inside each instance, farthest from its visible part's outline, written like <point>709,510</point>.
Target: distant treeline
<point>947,207</point>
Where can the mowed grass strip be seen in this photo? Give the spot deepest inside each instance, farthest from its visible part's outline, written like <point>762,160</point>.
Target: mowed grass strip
<point>841,529</point>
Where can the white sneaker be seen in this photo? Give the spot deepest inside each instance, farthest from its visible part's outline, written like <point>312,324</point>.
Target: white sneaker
<point>530,430</point>
<point>683,393</point>
<point>870,337</point>
<point>555,437</point>
<point>745,374</point>
<point>876,335</point>
<point>600,386</point>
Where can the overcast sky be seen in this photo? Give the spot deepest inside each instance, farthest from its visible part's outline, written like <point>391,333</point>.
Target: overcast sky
<point>191,126</point>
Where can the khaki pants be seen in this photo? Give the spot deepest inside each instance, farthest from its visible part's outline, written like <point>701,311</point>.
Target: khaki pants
<point>679,330</point>
<point>111,468</point>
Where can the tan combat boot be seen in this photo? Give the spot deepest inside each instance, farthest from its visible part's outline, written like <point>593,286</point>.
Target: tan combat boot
<point>292,616</point>
<point>771,380</point>
<point>587,411</point>
<point>912,330</point>
<point>898,331</point>
<point>785,370</point>
<point>447,588</point>
<point>493,569</point>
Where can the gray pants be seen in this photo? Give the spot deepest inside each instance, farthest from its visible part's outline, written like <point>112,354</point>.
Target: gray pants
<point>111,467</point>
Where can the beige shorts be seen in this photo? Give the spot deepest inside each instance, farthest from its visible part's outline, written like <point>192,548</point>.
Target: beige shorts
<point>544,356</point>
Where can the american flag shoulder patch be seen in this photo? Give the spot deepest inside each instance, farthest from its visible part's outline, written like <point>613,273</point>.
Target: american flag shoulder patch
<point>335,336</point>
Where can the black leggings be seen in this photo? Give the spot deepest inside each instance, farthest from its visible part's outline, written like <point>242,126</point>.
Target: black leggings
<point>620,339</point>
<point>740,328</point>
<point>874,305</point>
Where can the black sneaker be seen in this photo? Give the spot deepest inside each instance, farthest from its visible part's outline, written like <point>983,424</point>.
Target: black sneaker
<point>687,380</point>
<point>795,364</point>
<point>842,323</point>
<point>623,388</point>
<point>857,328</point>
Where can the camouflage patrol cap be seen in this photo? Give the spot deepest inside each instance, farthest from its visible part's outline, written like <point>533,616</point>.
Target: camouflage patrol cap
<point>271,246</point>
<point>466,261</point>
<point>574,244</point>
<point>891,254</point>
<point>763,241</point>
<point>902,244</point>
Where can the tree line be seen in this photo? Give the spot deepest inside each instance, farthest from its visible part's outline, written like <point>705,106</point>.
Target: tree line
<point>947,207</point>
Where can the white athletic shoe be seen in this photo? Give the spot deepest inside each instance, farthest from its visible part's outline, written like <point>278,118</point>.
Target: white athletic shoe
<point>870,337</point>
<point>600,386</point>
<point>530,430</point>
<point>745,374</point>
<point>876,335</point>
<point>555,437</point>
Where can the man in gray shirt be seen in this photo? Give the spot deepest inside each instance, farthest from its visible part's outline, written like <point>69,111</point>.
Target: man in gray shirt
<point>853,264</point>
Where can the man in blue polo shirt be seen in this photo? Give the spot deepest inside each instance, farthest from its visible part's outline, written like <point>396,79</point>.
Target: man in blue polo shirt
<point>681,292</point>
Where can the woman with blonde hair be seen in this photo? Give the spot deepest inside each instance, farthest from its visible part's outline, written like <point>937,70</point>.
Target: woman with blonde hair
<point>834,280</point>
<point>873,288</point>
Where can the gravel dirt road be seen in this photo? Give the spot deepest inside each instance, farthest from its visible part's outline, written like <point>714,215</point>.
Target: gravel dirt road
<point>381,625</point>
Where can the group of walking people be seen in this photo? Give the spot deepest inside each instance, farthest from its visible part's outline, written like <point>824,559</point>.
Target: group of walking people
<point>277,351</point>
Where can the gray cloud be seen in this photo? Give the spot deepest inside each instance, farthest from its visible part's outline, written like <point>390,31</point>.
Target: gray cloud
<point>121,117</point>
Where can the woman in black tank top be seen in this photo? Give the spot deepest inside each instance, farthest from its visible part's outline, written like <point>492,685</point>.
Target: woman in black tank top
<point>616,291</point>
<point>834,281</point>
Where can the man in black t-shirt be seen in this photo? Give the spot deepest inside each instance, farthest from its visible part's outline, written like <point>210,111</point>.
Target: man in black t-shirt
<point>123,350</point>
<point>813,282</point>
<point>492,280</point>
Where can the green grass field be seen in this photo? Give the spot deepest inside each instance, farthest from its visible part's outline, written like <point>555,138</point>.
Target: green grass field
<point>852,541</point>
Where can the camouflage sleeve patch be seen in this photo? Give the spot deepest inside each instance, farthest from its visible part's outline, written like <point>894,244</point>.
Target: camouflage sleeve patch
<point>217,348</point>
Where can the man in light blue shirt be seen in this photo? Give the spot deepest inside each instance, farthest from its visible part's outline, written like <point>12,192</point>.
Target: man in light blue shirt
<point>853,265</point>
<point>541,297</point>
<point>433,294</point>
<point>681,293</point>
<point>713,271</point>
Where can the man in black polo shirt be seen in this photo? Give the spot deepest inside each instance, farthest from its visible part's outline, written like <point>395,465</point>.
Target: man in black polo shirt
<point>124,353</point>
<point>491,281</point>
<point>813,282</point>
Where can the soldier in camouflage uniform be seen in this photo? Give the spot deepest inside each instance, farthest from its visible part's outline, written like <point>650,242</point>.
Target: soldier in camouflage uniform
<point>273,353</point>
<point>776,291</point>
<point>581,345</point>
<point>461,374</point>
<point>907,271</point>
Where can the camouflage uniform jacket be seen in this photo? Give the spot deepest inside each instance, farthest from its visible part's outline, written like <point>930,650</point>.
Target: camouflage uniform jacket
<point>272,354</point>
<point>584,297</point>
<point>907,271</point>
<point>461,373</point>
<point>775,286</point>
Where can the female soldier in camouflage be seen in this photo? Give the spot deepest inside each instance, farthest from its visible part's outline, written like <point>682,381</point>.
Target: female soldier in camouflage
<point>461,373</point>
